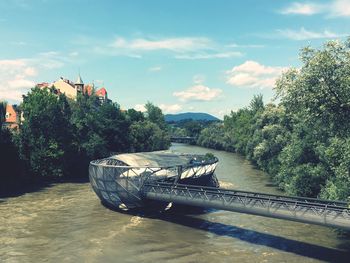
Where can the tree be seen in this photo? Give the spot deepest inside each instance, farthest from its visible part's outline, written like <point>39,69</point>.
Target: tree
<point>44,140</point>
<point>318,92</point>
<point>154,114</point>
<point>87,139</point>
<point>317,99</point>
<point>257,103</point>
<point>133,115</point>
<point>147,136</point>
<point>3,105</point>
<point>193,128</point>
<point>113,128</point>
<point>212,137</point>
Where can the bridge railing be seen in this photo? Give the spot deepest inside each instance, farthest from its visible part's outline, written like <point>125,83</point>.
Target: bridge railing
<point>308,210</point>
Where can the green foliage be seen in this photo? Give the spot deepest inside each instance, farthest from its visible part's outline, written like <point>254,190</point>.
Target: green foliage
<point>147,136</point>
<point>11,166</point>
<point>209,157</point>
<point>192,128</point>
<point>59,137</point>
<point>336,157</point>
<point>257,103</point>
<point>189,127</point>
<point>133,116</point>
<point>319,90</point>
<point>45,133</point>
<point>2,112</point>
<point>212,137</point>
<point>304,142</point>
<point>154,114</point>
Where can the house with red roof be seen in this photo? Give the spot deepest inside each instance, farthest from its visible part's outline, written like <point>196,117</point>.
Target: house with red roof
<point>12,117</point>
<point>102,95</point>
<point>72,89</point>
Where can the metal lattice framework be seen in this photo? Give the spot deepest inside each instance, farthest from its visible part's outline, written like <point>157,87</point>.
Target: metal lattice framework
<point>308,210</point>
<point>119,185</point>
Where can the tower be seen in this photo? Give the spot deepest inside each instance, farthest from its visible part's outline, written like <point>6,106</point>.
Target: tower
<point>79,84</point>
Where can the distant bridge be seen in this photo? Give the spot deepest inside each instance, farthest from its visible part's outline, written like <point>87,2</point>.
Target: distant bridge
<point>184,139</point>
<point>307,210</point>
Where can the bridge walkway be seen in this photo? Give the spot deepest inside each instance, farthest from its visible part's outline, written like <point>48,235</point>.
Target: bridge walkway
<point>307,210</point>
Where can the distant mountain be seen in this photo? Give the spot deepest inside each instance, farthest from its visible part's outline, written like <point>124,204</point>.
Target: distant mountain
<point>196,116</point>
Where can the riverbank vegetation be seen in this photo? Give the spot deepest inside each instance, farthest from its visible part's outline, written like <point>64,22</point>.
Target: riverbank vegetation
<point>302,141</point>
<point>59,137</point>
<point>189,127</point>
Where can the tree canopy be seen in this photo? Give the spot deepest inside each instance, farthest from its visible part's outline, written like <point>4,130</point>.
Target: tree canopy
<point>303,142</point>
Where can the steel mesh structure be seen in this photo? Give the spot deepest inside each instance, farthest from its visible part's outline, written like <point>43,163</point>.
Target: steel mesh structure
<point>119,185</point>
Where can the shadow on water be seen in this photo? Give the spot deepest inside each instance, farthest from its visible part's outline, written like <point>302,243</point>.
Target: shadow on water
<point>250,236</point>
<point>37,185</point>
<point>263,239</point>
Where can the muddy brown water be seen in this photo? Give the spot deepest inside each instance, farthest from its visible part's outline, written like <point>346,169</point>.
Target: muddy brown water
<point>67,223</point>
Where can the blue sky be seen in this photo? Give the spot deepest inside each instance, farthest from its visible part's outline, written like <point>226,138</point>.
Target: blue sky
<point>183,55</point>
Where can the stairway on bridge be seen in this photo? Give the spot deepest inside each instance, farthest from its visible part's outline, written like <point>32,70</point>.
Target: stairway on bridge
<point>307,210</point>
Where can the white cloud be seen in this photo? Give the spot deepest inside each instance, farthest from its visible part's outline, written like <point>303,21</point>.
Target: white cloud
<point>335,8</point>
<point>18,43</point>
<point>220,112</point>
<point>190,48</point>
<point>140,107</point>
<point>304,34</point>
<point>340,8</point>
<point>30,71</point>
<point>15,78</point>
<point>7,64</point>
<point>155,69</point>
<point>251,74</point>
<point>234,45</point>
<point>198,79</point>
<point>166,108</point>
<point>172,44</point>
<point>210,55</point>
<point>20,83</point>
<point>170,108</point>
<point>17,74</point>
<point>302,9</point>
<point>73,54</point>
<point>198,92</point>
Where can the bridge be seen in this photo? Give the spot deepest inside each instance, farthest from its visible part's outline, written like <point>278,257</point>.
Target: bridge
<point>306,210</point>
<point>128,181</point>
<point>183,139</point>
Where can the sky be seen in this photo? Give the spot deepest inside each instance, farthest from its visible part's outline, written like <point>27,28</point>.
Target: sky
<point>184,55</point>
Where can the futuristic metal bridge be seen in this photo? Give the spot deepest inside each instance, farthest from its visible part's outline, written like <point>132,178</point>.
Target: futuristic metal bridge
<point>307,210</point>
<point>128,181</point>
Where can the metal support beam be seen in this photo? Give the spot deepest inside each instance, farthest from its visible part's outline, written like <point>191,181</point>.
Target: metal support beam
<point>306,210</point>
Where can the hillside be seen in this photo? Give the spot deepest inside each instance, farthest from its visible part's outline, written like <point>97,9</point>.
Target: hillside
<point>190,115</point>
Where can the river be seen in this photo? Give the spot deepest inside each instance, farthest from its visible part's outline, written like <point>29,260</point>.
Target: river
<point>67,223</point>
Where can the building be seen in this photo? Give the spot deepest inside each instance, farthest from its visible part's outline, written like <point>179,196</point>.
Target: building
<point>71,89</point>
<point>102,96</point>
<point>79,84</point>
<point>67,87</point>
<point>12,117</point>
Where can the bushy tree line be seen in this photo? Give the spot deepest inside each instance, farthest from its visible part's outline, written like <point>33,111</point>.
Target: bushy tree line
<point>303,142</point>
<point>188,127</point>
<point>59,136</point>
